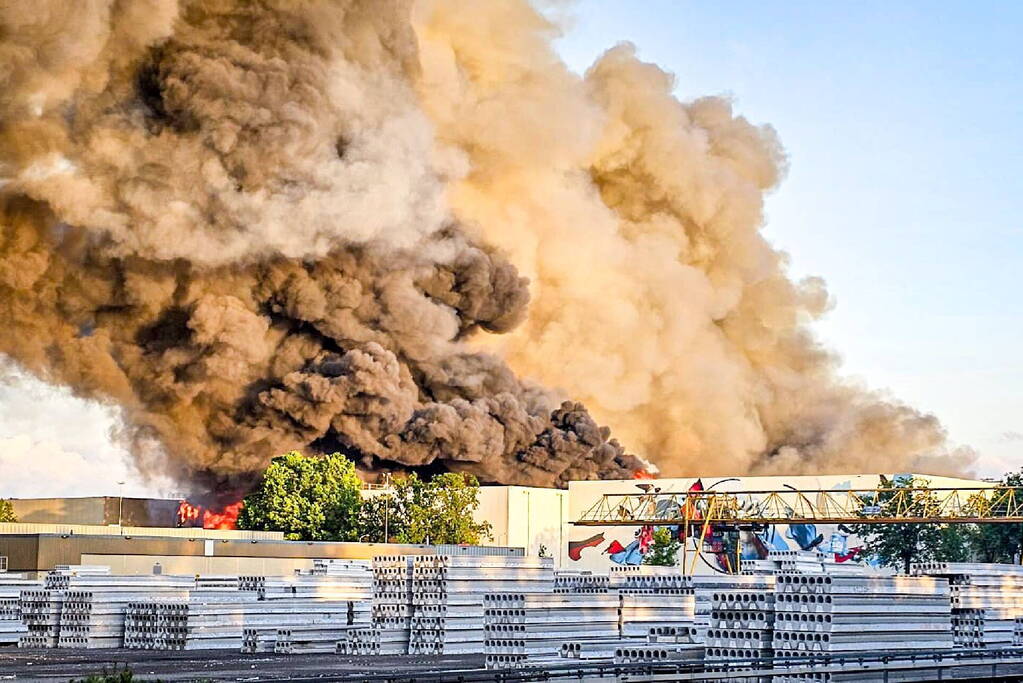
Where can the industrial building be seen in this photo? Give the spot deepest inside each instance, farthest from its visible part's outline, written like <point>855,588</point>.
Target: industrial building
<point>532,520</point>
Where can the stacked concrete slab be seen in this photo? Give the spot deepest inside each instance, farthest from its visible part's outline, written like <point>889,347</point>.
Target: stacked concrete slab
<point>293,625</point>
<point>208,618</point>
<point>841,614</point>
<point>800,562</point>
<point>390,626</point>
<point>580,582</point>
<point>741,625</point>
<point>327,580</point>
<point>42,609</point>
<point>448,594</point>
<point>93,614</point>
<point>529,629</point>
<point>986,599</point>
<point>652,597</point>
<point>12,628</point>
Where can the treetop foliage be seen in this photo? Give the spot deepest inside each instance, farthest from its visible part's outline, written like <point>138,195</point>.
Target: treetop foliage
<point>316,498</point>
<point>7,511</point>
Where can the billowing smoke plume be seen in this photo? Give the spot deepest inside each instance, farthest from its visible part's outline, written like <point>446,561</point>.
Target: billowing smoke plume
<point>385,227</point>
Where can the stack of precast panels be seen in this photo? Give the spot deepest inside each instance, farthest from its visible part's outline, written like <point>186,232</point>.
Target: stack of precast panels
<point>94,605</point>
<point>12,628</point>
<point>651,597</point>
<point>448,597</point>
<point>1017,632</point>
<point>706,586</point>
<point>531,628</point>
<point>328,580</point>
<point>580,582</point>
<point>41,609</point>
<point>291,625</point>
<point>842,614</point>
<point>391,615</point>
<point>741,625</point>
<point>800,562</point>
<point>212,616</point>
<point>986,599</point>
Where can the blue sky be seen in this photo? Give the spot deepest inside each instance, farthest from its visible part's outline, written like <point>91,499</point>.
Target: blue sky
<point>903,126</point>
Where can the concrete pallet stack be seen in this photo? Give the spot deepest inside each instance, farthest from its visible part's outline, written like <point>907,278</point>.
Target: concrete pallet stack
<point>741,626</point>
<point>1017,632</point>
<point>820,614</point>
<point>328,580</point>
<point>705,587</point>
<point>391,613</point>
<point>651,597</point>
<point>41,609</point>
<point>524,629</point>
<point>986,599</point>
<point>800,562</point>
<point>292,625</point>
<point>580,582</point>
<point>12,628</point>
<point>207,619</point>
<point>448,597</point>
<point>95,604</point>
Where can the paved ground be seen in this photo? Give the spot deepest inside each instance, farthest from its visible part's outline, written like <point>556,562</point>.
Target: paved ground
<point>65,665</point>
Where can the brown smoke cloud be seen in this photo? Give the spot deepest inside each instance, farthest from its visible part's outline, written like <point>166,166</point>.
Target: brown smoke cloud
<point>385,227</point>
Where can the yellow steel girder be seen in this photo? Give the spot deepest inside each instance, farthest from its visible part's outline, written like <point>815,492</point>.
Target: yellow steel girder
<point>881,505</point>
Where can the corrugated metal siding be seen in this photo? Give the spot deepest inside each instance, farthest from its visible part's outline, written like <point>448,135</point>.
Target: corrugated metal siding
<point>96,530</point>
<point>42,551</point>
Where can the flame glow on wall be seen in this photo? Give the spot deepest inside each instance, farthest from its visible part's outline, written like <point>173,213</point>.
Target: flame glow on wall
<point>190,515</point>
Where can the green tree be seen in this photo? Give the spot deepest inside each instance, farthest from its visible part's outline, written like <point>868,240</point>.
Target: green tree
<point>412,510</point>
<point>7,511</point>
<point>999,542</point>
<point>663,550</point>
<point>309,498</point>
<point>901,544</point>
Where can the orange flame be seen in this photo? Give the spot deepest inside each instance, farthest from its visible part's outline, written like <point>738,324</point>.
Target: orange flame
<point>227,518</point>
<point>642,474</point>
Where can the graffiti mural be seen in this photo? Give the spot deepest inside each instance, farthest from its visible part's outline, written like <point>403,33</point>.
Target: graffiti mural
<point>719,546</point>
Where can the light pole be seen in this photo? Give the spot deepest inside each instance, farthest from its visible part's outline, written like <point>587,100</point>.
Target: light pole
<point>120,504</point>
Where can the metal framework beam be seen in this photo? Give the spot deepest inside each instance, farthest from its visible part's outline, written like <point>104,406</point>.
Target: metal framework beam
<point>919,505</point>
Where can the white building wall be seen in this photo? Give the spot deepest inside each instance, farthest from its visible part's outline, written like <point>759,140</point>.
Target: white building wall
<point>526,517</point>
<point>599,548</point>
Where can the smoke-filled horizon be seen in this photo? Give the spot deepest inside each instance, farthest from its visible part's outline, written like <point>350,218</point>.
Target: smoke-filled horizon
<point>405,230</point>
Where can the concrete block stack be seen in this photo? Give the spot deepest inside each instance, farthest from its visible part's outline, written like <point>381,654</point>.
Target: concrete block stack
<point>41,609</point>
<point>642,653</point>
<point>12,628</point>
<point>741,625</point>
<point>1017,632</point>
<point>327,580</point>
<point>842,614</point>
<point>94,605</point>
<point>985,599</point>
<point>580,582</point>
<point>291,625</point>
<point>391,611</point>
<point>526,629</point>
<point>211,617</point>
<point>448,597</point>
<point>706,586</point>
<point>800,562</point>
<point>651,597</point>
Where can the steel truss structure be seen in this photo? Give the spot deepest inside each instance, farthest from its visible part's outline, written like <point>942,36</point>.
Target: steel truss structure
<point>881,505</point>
